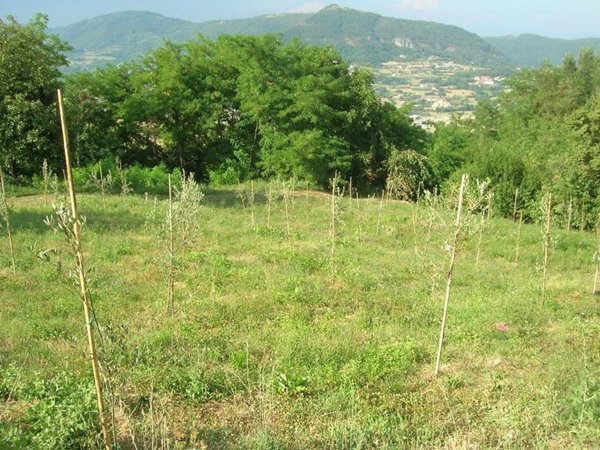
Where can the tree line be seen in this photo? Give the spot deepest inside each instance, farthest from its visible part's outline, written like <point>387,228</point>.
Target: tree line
<point>542,135</point>
<point>244,107</point>
<point>235,108</point>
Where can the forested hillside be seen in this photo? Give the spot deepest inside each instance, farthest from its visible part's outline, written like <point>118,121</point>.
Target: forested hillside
<point>120,37</point>
<point>240,107</point>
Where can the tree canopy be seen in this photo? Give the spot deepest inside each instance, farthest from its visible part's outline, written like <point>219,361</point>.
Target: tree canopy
<point>30,62</point>
<point>244,107</point>
<point>540,136</point>
<point>249,106</point>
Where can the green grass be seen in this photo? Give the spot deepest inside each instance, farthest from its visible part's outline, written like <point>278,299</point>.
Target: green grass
<point>265,351</point>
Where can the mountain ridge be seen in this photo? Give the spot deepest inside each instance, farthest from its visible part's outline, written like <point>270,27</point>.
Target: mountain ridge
<point>529,49</point>
<point>361,37</point>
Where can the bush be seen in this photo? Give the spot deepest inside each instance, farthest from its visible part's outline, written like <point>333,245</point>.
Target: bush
<point>408,172</point>
<point>225,175</point>
<point>153,180</point>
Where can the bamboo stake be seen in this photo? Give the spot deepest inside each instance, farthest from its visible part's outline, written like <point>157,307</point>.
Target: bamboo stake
<point>171,253</point>
<point>596,276</point>
<point>269,200</point>
<point>306,195</point>
<point>5,216</point>
<point>84,290</point>
<point>252,203</point>
<point>414,225</point>
<point>457,229</point>
<point>287,194</point>
<point>358,218</point>
<point>548,213</point>
<point>350,195</point>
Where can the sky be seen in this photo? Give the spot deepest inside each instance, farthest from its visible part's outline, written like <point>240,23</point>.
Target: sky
<point>553,18</point>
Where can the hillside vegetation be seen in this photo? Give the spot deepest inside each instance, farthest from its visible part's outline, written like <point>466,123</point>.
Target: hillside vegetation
<point>120,37</point>
<point>529,50</point>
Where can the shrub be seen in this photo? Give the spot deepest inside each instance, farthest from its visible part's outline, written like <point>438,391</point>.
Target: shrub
<point>407,171</point>
<point>225,175</point>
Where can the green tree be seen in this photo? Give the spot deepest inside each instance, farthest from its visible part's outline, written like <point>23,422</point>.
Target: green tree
<point>448,150</point>
<point>30,60</point>
<point>581,179</point>
<point>241,106</point>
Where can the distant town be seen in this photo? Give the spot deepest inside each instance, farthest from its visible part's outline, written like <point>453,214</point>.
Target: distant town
<point>437,89</point>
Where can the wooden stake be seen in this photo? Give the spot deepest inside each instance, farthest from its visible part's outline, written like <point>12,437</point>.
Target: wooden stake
<point>269,200</point>
<point>5,215</point>
<point>252,202</point>
<point>596,276</point>
<point>358,218</point>
<point>413,209</point>
<point>597,259</point>
<point>350,195</point>
<point>287,197</point>
<point>455,239</point>
<point>84,291</point>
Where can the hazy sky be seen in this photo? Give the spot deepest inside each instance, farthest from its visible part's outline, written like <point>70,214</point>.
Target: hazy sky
<point>554,18</point>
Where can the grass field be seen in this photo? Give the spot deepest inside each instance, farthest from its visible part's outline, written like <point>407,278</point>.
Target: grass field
<point>270,347</point>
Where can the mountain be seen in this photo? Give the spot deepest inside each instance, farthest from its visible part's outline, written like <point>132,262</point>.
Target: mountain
<point>361,37</point>
<point>531,50</point>
<point>122,36</point>
<point>368,38</point>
